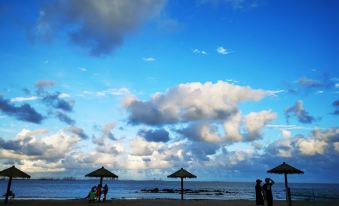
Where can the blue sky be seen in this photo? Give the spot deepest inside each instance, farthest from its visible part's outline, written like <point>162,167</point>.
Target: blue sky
<point>224,88</point>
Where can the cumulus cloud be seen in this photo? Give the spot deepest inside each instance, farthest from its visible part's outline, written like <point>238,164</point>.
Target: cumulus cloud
<point>255,121</point>
<point>232,128</point>
<point>201,151</point>
<point>311,146</point>
<point>252,125</point>
<point>189,102</point>
<point>28,146</point>
<point>281,148</point>
<point>23,112</point>
<point>157,135</point>
<point>104,140</point>
<point>97,26</point>
<point>202,131</point>
<point>318,142</point>
<point>298,111</point>
<point>141,147</point>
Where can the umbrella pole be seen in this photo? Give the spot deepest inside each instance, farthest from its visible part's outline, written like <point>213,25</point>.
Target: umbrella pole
<point>182,188</point>
<point>287,190</point>
<point>101,181</point>
<point>8,189</point>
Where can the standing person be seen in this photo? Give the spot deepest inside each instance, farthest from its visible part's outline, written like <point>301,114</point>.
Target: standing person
<point>98,192</point>
<point>259,198</point>
<point>105,192</point>
<point>267,188</point>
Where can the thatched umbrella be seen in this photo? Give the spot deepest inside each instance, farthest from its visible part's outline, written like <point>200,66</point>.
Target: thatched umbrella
<point>286,169</point>
<point>182,174</point>
<point>12,172</point>
<point>102,172</point>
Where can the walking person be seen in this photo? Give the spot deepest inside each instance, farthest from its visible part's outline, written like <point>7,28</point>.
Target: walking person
<point>259,198</point>
<point>267,188</point>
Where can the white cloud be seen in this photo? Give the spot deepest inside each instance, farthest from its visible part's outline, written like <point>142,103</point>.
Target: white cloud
<point>23,99</point>
<point>28,146</point>
<point>223,51</point>
<point>112,91</point>
<point>288,127</point>
<point>286,133</point>
<point>282,148</point>
<point>252,125</point>
<point>140,147</point>
<point>276,92</point>
<point>317,143</point>
<point>232,81</point>
<point>232,128</point>
<point>148,59</point>
<point>198,51</point>
<point>83,69</point>
<point>191,101</point>
<point>64,95</point>
<point>255,121</point>
<point>311,146</point>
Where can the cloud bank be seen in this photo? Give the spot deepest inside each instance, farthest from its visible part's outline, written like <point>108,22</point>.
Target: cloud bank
<point>189,102</point>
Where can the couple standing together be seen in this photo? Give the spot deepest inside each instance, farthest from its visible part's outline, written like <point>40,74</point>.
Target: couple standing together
<point>264,192</point>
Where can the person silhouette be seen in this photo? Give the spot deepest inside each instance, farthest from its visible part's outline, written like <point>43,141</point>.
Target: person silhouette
<point>259,198</point>
<point>267,188</point>
<point>98,191</point>
<point>105,190</point>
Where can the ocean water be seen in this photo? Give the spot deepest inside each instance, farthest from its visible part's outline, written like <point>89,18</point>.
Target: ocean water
<point>124,189</point>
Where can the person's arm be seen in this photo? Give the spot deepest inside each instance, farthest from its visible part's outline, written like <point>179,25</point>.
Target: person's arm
<point>272,182</point>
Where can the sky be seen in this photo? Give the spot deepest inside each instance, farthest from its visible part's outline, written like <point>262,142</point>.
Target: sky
<point>224,88</point>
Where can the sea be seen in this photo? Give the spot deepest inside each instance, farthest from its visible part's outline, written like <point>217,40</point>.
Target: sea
<point>157,189</point>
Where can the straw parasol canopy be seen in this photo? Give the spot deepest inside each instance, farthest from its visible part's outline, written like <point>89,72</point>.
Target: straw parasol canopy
<point>102,172</point>
<point>11,173</point>
<point>285,169</point>
<point>182,173</point>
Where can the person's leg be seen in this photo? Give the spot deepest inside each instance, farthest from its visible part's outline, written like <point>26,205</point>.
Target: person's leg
<point>270,202</point>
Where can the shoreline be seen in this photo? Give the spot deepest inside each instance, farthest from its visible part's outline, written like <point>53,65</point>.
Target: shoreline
<point>163,202</point>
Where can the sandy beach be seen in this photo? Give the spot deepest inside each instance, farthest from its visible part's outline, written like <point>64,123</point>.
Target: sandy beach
<point>164,202</point>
